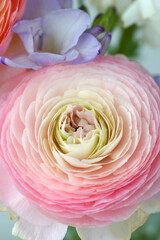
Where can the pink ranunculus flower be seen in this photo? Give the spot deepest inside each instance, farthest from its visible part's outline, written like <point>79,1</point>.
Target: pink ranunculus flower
<point>10,12</point>
<point>80,146</point>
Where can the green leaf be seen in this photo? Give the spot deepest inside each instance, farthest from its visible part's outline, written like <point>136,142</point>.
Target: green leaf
<point>128,43</point>
<point>72,234</point>
<point>150,230</point>
<point>108,20</point>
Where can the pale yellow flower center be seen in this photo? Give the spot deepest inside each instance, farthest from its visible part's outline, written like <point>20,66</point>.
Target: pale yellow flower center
<point>81,131</point>
<point>81,127</point>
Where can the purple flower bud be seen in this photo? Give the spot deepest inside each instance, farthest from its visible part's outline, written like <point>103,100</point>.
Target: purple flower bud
<point>102,36</point>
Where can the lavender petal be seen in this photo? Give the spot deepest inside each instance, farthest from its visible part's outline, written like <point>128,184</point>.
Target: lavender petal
<point>46,59</point>
<point>20,61</point>
<point>102,36</point>
<point>29,32</point>
<point>105,39</point>
<point>71,55</point>
<point>96,30</point>
<point>62,29</point>
<point>88,47</point>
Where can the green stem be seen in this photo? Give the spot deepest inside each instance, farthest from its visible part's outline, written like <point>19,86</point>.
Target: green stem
<point>128,44</point>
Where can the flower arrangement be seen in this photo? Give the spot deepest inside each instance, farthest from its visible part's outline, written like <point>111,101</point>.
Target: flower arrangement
<point>80,122</point>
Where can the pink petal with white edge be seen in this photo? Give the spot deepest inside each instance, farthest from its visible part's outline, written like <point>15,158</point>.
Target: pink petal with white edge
<point>25,230</point>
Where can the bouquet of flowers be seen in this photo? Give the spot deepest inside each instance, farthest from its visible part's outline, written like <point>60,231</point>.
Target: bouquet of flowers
<point>79,118</point>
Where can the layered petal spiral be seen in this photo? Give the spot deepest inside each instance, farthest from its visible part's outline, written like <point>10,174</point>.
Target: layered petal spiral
<point>82,143</point>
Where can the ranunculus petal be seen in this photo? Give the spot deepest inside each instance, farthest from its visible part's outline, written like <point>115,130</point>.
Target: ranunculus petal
<point>7,74</point>
<point>15,201</point>
<point>120,169</point>
<point>151,206</point>
<point>25,230</point>
<point>115,231</point>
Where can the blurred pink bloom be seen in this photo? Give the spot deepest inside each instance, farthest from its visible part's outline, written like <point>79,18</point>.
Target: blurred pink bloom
<point>80,145</point>
<point>10,12</point>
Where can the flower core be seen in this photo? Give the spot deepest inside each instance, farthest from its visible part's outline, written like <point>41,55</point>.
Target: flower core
<point>82,129</point>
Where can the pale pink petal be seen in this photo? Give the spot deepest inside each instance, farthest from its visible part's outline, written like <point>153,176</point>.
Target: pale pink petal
<point>14,200</point>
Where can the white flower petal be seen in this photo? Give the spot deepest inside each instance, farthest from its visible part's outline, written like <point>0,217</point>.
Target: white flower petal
<point>25,230</point>
<point>147,8</point>
<point>151,206</point>
<point>131,15</point>
<point>121,6</point>
<point>115,231</point>
<point>151,33</point>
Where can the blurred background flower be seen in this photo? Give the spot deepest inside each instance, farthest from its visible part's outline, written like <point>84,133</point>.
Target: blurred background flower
<point>138,23</point>
<point>10,12</point>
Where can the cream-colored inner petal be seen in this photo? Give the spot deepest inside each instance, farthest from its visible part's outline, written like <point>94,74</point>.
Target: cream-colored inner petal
<point>82,130</point>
